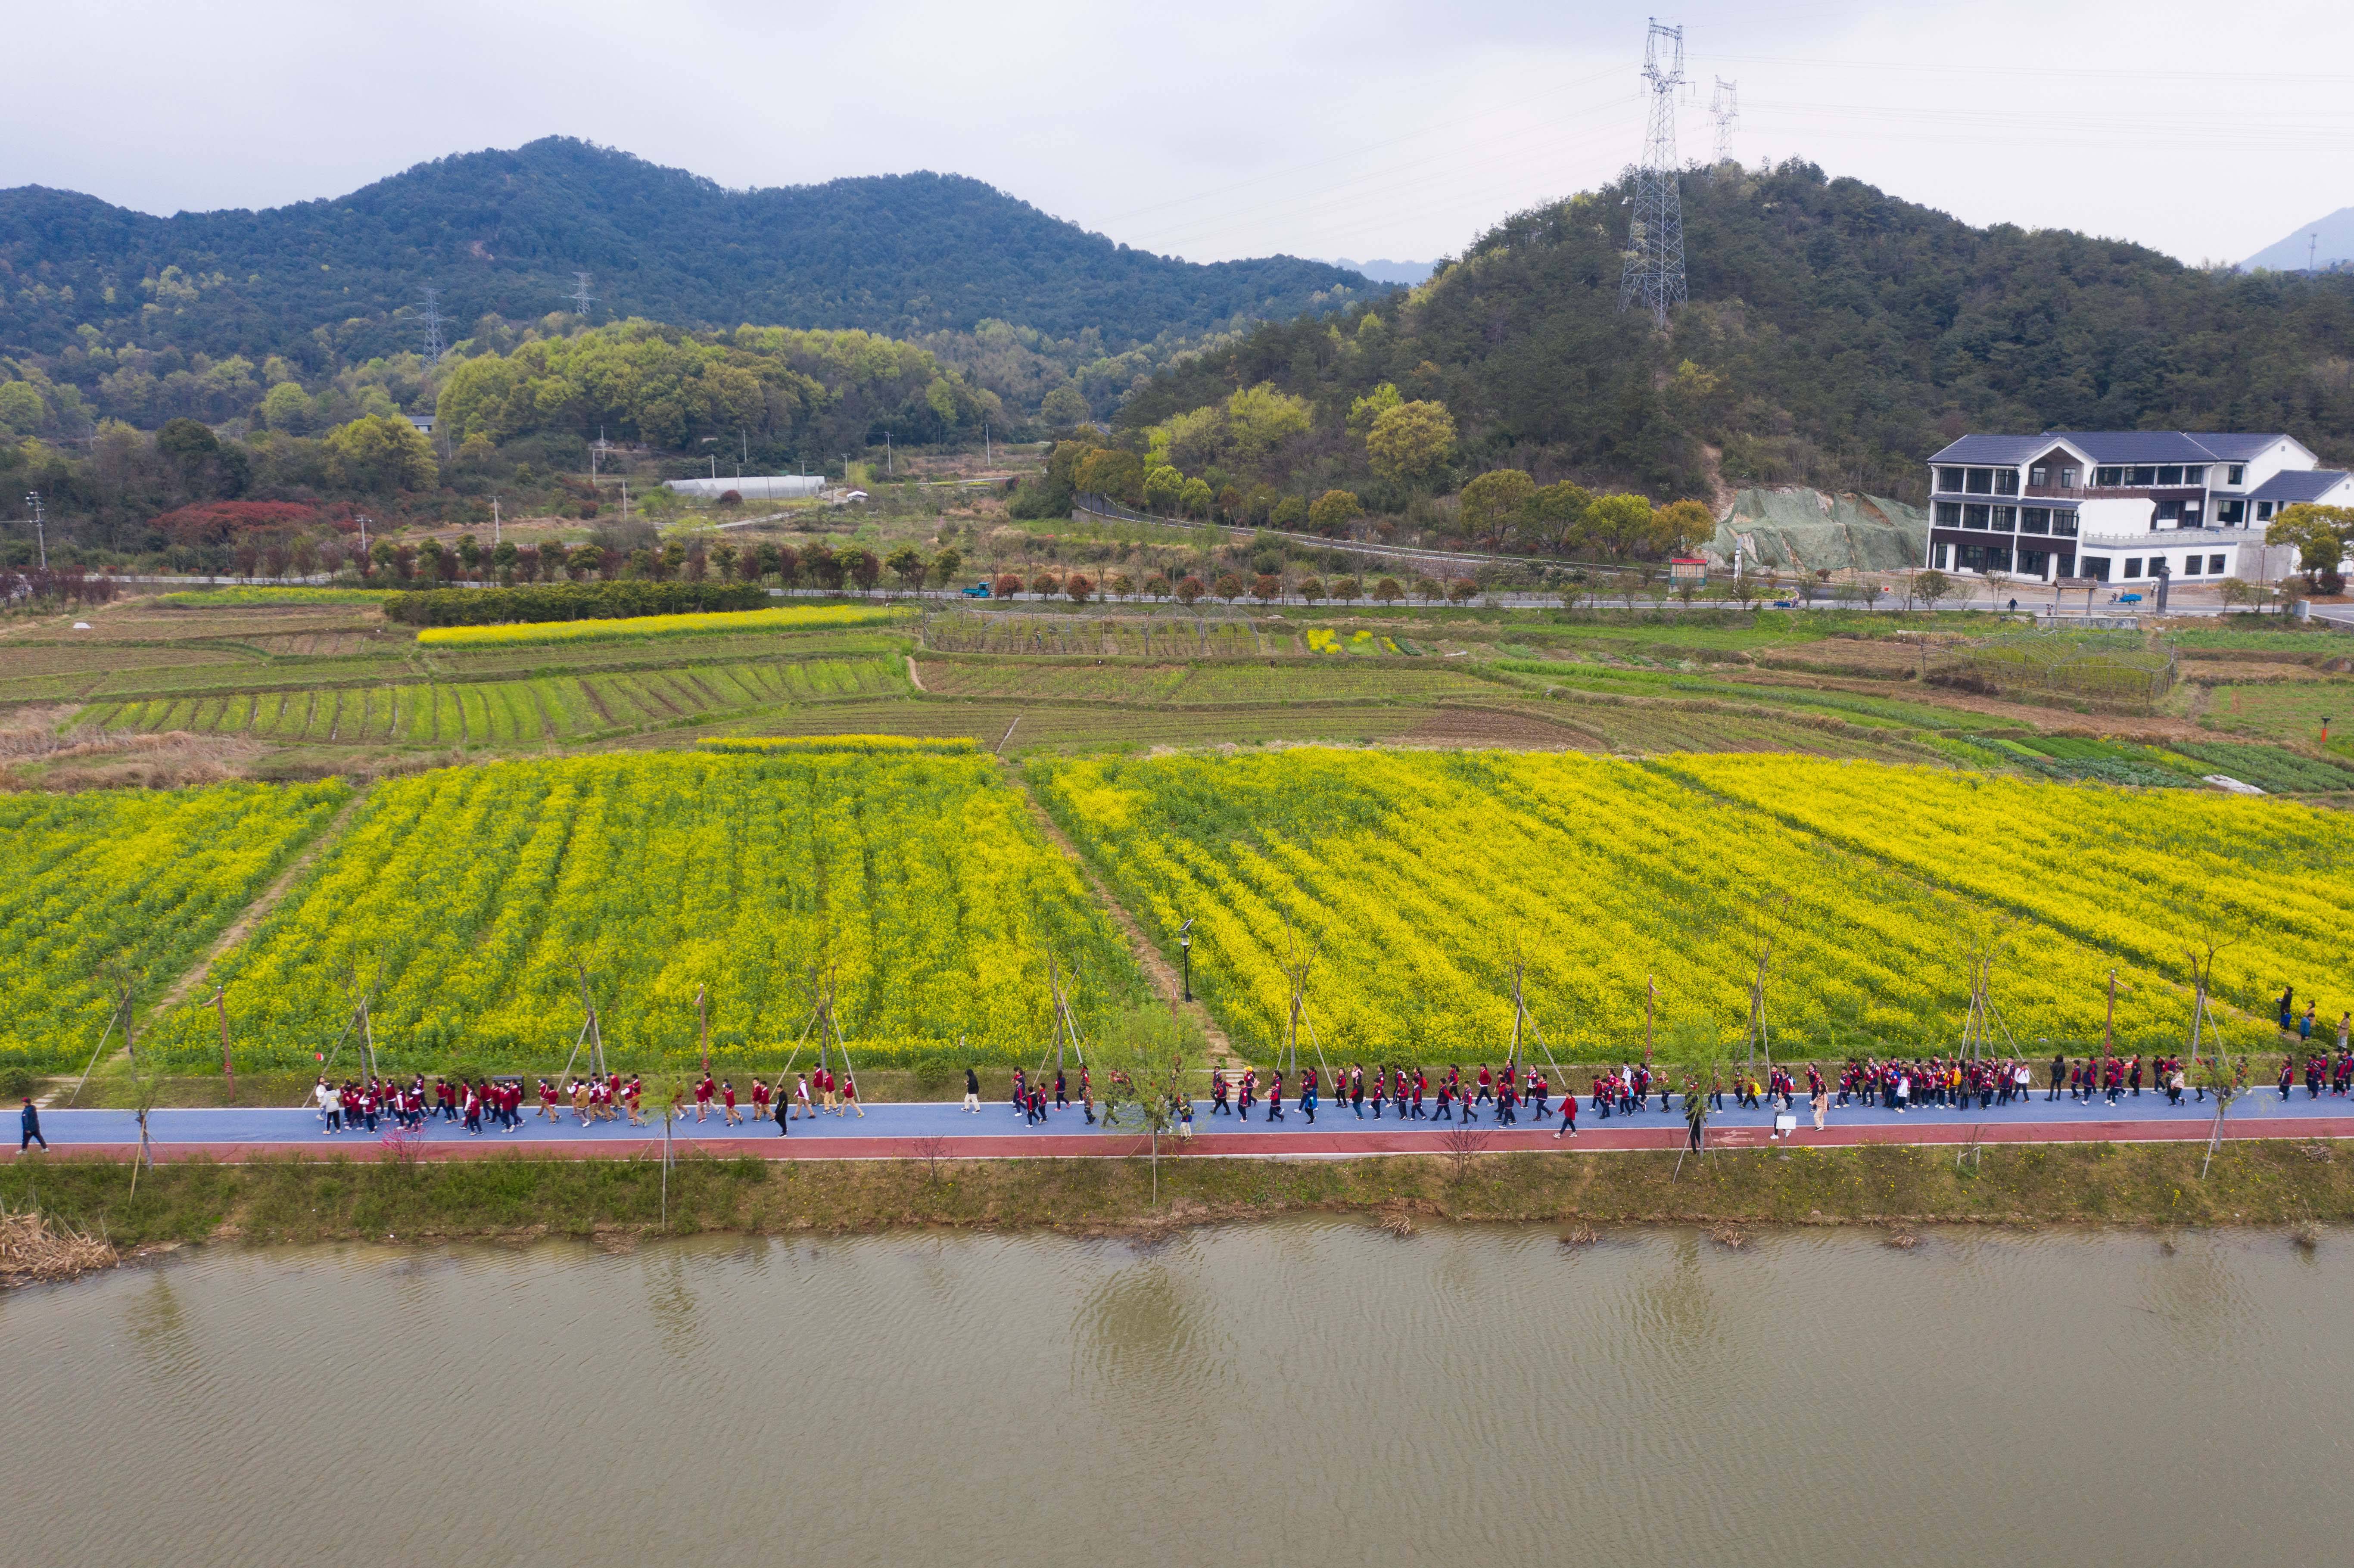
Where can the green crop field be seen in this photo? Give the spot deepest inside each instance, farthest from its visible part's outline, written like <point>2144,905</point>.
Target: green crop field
<point>548,709</point>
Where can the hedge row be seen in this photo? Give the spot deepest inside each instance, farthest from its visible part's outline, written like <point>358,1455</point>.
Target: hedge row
<point>569,601</point>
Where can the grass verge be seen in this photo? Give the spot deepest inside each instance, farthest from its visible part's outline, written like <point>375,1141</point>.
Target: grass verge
<point>306,1199</point>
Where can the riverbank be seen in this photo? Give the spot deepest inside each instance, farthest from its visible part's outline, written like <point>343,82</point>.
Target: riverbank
<point>307,1198</point>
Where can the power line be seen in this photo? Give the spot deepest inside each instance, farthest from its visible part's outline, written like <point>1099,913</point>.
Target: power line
<point>1655,234</point>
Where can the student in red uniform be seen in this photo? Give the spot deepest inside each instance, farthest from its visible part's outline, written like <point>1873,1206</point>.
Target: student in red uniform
<point>728,1116</point>
<point>1568,1116</point>
<point>849,1097</point>
<point>759,1100</point>
<point>1482,1097</point>
<point>630,1096</point>
<point>1274,1097</point>
<point>801,1106</point>
<point>703,1095</point>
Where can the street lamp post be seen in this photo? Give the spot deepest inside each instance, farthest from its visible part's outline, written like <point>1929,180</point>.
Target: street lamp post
<point>1185,949</point>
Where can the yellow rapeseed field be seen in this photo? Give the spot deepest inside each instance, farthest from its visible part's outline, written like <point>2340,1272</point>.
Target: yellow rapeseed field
<point>1415,878</point>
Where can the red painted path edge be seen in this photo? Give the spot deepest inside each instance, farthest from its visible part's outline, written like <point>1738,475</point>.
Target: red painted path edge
<point>1047,1145</point>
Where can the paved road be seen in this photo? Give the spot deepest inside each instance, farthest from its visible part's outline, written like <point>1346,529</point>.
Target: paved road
<point>906,1130</point>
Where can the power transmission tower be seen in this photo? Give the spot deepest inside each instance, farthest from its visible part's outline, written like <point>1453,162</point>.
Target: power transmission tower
<point>431,317</point>
<point>1724,108</point>
<point>1655,235</point>
<point>581,298</point>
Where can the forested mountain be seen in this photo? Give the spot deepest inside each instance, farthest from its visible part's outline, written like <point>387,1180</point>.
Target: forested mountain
<point>503,232</point>
<point>1836,335</point>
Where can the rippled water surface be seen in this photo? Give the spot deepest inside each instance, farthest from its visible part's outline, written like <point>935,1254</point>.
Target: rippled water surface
<point>1297,1394</point>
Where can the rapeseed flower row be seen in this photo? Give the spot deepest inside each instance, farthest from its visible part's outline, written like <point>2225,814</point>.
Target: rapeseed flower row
<point>698,623</point>
<point>1418,877</point>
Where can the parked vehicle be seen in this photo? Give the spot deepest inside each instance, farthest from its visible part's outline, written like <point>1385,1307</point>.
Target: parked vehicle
<point>978,590</point>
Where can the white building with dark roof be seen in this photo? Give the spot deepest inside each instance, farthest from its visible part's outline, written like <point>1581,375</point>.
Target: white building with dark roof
<point>2118,506</point>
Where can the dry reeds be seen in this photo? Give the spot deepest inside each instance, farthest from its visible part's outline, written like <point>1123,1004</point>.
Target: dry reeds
<point>1399,1226</point>
<point>1583,1236</point>
<point>33,1253</point>
<point>1904,1241</point>
<point>1731,1237</point>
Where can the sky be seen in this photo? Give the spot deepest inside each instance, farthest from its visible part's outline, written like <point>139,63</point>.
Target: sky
<point>1221,128</point>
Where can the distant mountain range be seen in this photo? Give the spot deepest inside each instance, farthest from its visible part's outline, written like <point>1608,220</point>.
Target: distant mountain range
<point>505,231</point>
<point>2321,247</point>
<point>1403,274</point>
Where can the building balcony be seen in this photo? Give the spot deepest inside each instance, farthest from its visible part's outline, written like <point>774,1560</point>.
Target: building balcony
<point>2165,538</point>
<point>2113,492</point>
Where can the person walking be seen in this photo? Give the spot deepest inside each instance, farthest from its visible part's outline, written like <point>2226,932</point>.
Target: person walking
<point>29,1121</point>
<point>971,1090</point>
<point>1821,1100</point>
<point>784,1113</point>
<point>2059,1071</point>
<point>2305,1025</point>
<point>1568,1113</point>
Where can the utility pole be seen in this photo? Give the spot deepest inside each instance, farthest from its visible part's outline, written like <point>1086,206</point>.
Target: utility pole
<point>495,535</point>
<point>1724,108</point>
<point>430,318</point>
<point>1655,233</point>
<point>40,530</point>
<point>888,471</point>
<point>363,523</point>
<point>581,298</point>
<point>988,452</point>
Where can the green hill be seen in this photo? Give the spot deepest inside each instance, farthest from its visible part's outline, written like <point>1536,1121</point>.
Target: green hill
<point>1836,337</point>
<point>505,231</point>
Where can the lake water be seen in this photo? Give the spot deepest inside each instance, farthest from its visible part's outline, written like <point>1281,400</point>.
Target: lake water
<point>1300,1393</point>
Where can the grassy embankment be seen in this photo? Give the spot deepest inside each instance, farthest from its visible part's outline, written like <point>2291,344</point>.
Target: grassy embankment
<point>325,1199</point>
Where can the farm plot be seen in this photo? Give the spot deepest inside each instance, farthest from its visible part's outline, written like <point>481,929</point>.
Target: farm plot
<point>507,713</point>
<point>1207,683</point>
<point>463,898</point>
<point>110,888</point>
<point>1415,877</point>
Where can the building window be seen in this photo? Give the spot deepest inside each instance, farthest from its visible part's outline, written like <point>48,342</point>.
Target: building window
<point>2067,563</point>
<point>1949,478</point>
<point>2231,514</point>
<point>2067,479</point>
<point>2065,523</point>
<point>2236,474</point>
<point>2264,511</point>
<point>1998,557</point>
<point>1949,514</point>
<point>1974,516</point>
<point>2096,567</point>
<point>2132,566</point>
<point>1981,482</point>
<point>2196,474</point>
<point>2006,482</point>
<point>2189,566</point>
<point>2031,562</point>
<point>2006,518</point>
<point>2108,478</point>
<point>2171,474</point>
<point>2144,476</point>
<point>1941,557</point>
<point>2039,475</point>
<point>2168,511</point>
<point>2035,520</point>
<point>2214,565</point>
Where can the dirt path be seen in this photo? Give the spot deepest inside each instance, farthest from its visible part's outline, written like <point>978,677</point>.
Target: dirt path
<point>242,927</point>
<point>913,679</point>
<point>1148,956</point>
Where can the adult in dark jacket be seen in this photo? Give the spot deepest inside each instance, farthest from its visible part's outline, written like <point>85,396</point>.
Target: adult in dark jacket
<point>31,1120</point>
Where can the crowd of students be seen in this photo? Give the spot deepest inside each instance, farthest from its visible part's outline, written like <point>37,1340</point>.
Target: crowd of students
<point>360,1104</point>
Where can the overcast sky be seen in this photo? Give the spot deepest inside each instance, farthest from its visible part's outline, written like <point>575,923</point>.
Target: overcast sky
<point>1219,128</point>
